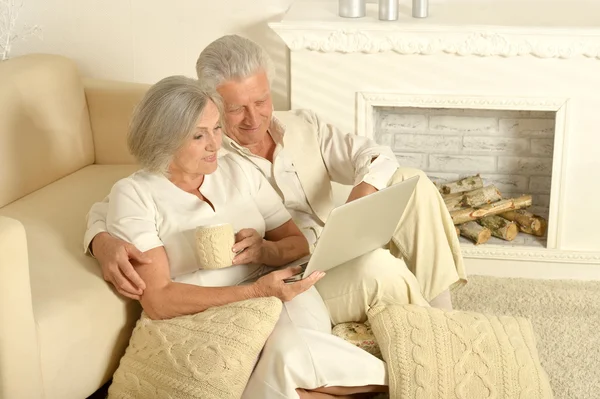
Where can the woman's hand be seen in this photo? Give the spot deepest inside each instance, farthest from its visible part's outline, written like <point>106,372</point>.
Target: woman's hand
<point>272,284</point>
<point>249,247</point>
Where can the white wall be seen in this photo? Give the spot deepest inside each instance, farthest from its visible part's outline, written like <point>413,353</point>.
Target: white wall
<point>146,40</point>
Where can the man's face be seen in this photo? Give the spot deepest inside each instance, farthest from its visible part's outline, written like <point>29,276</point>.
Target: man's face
<point>248,108</point>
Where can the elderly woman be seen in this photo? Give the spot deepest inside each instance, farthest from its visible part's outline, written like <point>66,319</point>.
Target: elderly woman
<point>175,135</point>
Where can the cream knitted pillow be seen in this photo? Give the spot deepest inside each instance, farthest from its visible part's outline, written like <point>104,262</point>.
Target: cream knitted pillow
<point>209,355</point>
<point>432,353</point>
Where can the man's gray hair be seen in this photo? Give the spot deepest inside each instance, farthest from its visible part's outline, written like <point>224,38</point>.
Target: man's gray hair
<point>165,120</point>
<point>232,57</point>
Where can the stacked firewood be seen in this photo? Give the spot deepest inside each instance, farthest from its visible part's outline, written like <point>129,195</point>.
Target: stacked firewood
<point>480,212</point>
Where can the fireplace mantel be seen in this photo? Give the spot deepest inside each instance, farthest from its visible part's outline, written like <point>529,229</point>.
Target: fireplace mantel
<point>546,29</point>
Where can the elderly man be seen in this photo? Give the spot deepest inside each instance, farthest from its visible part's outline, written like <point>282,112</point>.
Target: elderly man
<point>300,155</point>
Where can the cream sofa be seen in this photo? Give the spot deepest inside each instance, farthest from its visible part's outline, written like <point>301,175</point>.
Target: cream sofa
<point>62,146</point>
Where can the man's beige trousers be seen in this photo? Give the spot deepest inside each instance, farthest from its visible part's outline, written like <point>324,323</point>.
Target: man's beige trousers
<point>423,260</point>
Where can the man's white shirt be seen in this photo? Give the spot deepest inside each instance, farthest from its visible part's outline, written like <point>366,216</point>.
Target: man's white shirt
<point>336,148</point>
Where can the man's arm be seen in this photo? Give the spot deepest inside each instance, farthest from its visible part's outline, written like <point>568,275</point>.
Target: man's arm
<point>113,254</point>
<point>361,190</point>
<point>354,160</point>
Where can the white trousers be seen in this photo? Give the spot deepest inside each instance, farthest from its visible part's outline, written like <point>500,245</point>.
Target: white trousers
<point>302,353</point>
<point>423,260</point>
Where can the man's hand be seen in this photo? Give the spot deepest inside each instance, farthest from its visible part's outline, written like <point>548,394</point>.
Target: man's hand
<point>361,190</point>
<point>248,247</point>
<point>114,255</point>
<point>272,284</point>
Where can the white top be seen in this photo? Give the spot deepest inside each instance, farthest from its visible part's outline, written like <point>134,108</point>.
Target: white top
<point>336,147</point>
<point>149,211</point>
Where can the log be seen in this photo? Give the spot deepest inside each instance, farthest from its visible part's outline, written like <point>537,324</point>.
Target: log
<point>475,232</point>
<point>500,227</point>
<point>457,230</point>
<point>527,222</point>
<point>462,185</point>
<point>481,196</point>
<point>473,198</point>
<point>467,214</point>
<point>453,201</point>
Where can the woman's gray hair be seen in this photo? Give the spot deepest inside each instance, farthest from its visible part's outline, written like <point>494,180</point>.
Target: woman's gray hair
<point>232,57</point>
<point>165,120</point>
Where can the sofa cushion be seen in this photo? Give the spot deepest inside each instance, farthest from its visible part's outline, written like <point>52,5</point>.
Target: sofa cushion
<point>209,355</point>
<point>433,353</point>
<point>83,327</point>
<point>110,106</point>
<point>45,129</point>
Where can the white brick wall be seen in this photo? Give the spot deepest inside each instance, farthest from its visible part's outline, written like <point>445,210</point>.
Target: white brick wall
<point>525,165</point>
<point>461,163</point>
<point>511,149</point>
<point>403,122</point>
<point>412,160</point>
<point>415,142</point>
<point>542,147</point>
<point>503,145</point>
<point>527,127</point>
<point>508,183</point>
<point>463,124</point>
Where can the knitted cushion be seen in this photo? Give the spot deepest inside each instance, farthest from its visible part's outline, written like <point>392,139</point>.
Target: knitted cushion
<point>432,353</point>
<point>209,355</point>
<point>358,334</point>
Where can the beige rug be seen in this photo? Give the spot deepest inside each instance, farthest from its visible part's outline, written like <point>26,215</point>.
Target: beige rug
<point>566,318</point>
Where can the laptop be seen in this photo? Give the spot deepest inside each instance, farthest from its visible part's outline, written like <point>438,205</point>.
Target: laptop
<point>356,228</point>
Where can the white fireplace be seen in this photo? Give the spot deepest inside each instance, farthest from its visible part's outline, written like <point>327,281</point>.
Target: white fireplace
<point>513,150</point>
<point>474,88</point>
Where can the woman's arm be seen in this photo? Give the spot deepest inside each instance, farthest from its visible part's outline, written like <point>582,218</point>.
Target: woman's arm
<point>281,245</point>
<point>132,217</point>
<point>164,299</point>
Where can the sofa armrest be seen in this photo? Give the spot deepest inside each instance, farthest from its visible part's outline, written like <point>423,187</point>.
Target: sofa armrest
<point>20,371</point>
<point>110,105</point>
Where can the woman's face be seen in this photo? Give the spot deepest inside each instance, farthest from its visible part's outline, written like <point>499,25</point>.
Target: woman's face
<point>199,155</point>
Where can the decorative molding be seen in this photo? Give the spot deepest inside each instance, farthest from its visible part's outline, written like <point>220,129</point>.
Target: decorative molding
<point>381,99</point>
<point>450,41</point>
<point>531,254</point>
